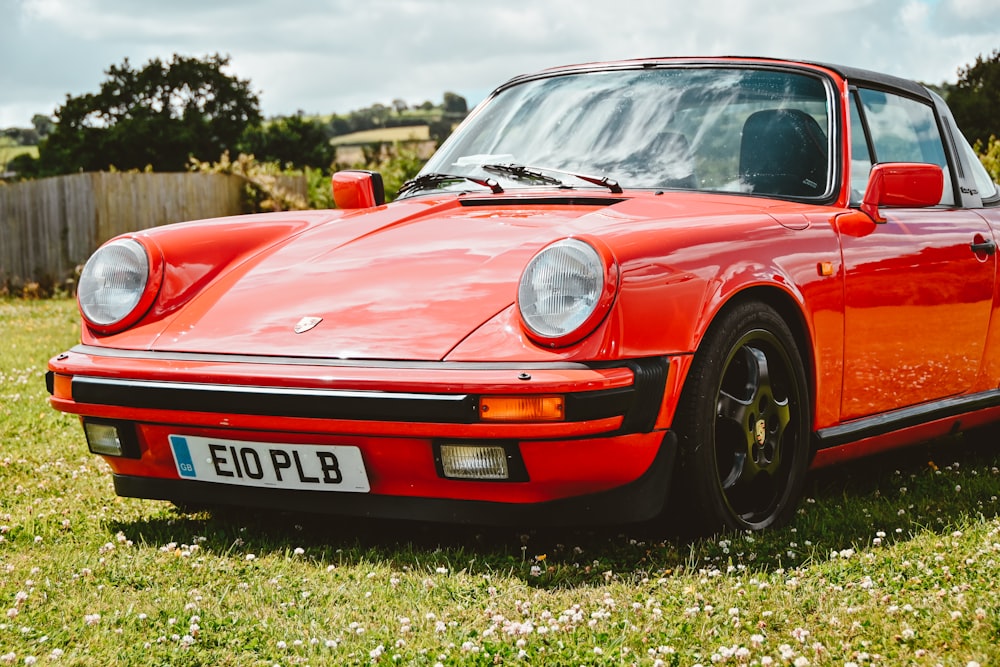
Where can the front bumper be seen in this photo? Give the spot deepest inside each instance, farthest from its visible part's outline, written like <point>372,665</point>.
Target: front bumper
<point>640,500</point>
<point>608,459</point>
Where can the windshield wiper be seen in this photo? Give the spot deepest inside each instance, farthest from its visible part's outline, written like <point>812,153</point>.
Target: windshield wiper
<point>536,173</point>
<point>520,171</point>
<point>433,179</point>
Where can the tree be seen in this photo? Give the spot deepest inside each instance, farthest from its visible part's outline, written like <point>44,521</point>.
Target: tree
<point>455,103</point>
<point>295,140</point>
<point>159,116</point>
<point>43,125</point>
<point>21,136</point>
<point>975,99</point>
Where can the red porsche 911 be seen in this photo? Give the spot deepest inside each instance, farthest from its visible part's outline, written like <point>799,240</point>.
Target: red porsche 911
<point>618,290</point>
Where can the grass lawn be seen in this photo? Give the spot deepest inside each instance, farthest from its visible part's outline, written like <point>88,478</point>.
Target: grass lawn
<point>891,561</point>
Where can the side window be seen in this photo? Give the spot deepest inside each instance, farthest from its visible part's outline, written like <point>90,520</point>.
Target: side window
<point>904,130</point>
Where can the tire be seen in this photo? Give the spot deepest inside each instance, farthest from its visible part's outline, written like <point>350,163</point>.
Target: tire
<point>743,423</point>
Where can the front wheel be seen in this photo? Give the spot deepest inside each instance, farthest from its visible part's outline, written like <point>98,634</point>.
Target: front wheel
<point>743,423</point>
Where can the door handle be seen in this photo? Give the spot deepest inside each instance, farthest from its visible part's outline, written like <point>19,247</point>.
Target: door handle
<point>987,247</point>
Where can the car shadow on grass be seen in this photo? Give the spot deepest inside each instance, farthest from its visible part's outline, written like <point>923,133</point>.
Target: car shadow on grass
<point>935,486</point>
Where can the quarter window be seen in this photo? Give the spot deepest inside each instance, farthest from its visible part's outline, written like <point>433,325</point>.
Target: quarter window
<point>984,182</point>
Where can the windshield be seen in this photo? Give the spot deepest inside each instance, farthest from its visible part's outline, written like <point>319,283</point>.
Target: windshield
<point>708,128</point>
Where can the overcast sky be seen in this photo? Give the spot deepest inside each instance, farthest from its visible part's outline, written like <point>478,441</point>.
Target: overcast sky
<point>335,56</point>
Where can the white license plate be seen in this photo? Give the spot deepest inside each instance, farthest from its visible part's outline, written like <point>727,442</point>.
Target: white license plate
<point>271,465</point>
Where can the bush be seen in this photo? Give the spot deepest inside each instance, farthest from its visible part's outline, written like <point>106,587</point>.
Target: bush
<point>396,163</point>
<point>990,156</point>
<point>266,182</point>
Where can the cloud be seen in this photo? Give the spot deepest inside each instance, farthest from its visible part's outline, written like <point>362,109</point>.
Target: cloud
<point>329,56</point>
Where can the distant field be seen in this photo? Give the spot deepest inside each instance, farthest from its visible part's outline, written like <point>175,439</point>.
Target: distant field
<point>8,153</point>
<point>384,135</point>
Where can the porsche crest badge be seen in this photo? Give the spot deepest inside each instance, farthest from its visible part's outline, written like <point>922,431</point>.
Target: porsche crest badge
<point>306,323</point>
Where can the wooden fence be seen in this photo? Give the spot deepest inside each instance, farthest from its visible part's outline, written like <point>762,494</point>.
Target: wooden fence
<point>51,226</point>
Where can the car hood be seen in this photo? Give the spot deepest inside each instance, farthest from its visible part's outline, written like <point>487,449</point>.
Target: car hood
<point>408,281</point>
<point>412,280</point>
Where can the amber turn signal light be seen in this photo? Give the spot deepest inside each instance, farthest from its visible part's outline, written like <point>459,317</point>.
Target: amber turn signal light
<point>522,408</point>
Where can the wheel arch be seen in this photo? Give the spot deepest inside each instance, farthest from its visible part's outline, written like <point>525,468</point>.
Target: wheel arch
<point>792,313</point>
<point>689,480</point>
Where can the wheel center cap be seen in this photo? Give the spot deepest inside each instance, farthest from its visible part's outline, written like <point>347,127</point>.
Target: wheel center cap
<point>760,431</point>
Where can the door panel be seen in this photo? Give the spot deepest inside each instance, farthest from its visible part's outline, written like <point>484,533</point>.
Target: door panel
<point>917,309</point>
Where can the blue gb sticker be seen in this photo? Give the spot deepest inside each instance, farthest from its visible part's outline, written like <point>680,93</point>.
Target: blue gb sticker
<point>182,455</point>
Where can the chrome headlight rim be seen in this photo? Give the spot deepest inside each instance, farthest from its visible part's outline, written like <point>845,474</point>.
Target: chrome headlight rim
<point>139,277</point>
<point>574,263</point>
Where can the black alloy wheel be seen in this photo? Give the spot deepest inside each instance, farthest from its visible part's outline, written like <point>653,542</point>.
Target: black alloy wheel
<point>743,423</point>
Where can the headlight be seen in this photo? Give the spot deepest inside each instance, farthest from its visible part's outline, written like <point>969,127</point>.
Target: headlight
<point>565,291</point>
<point>117,285</point>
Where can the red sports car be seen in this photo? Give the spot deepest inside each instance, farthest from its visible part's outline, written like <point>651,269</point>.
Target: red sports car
<point>618,290</point>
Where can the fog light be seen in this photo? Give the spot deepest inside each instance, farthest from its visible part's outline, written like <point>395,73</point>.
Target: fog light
<point>103,439</point>
<point>474,462</point>
<point>111,438</point>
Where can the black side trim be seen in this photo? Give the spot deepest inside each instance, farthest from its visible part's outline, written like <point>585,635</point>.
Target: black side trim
<point>599,404</point>
<point>636,501</point>
<point>869,427</point>
<point>650,385</point>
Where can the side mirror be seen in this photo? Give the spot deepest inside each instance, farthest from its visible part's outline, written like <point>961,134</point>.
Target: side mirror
<point>358,188</point>
<point>902,184</point>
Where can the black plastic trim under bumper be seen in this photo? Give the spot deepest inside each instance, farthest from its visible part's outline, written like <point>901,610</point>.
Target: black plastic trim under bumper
<point>640,500</point>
